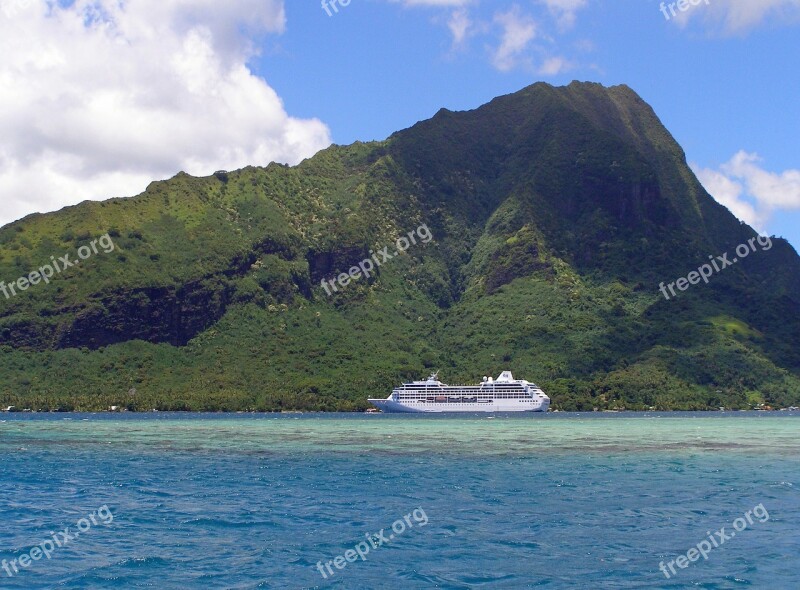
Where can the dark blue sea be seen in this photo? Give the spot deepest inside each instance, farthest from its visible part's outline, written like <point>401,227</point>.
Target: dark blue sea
<point>169,501</point>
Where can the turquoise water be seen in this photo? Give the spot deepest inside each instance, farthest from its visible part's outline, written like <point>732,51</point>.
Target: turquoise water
<point>551,501</point>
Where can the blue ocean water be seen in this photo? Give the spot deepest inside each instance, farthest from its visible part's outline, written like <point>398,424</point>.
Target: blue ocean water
<point>555,501</point>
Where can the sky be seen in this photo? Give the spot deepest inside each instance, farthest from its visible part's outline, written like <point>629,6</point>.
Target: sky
<point>100,97</point>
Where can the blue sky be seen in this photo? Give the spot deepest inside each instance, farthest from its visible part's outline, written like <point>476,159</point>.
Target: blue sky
<point>265,79</point>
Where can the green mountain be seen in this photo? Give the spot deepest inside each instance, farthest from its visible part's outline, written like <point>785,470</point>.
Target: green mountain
<point>555,214</point>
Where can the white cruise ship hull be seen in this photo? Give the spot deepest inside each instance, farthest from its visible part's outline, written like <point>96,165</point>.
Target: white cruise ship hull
<point>505,394</point>
<point>418,407</point>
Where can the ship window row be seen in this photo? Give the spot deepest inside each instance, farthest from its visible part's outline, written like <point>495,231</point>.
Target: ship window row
<point>413,394</point>
<point>465,388</point>
<point>481,396</point>
<point>461,392</point>
<point>475,385</point>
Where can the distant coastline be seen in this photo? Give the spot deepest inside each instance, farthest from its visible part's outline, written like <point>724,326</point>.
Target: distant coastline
<point>26,411</point>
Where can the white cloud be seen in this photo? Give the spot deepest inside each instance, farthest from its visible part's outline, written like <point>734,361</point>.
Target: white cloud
<point>728,192</point>
<point>565,10</point>
<point>512,30</point>
<point>553,66</point>
<point>775,191</point>
<point>518,30</point>
<point>738,16</point>
<point>459,25</point>
<point>101,97</point>
<point>752,193</point>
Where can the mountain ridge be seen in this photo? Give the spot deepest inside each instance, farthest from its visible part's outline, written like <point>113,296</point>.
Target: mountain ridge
<point>576,198</point>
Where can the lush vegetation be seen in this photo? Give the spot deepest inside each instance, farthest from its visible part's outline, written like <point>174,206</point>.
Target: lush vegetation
<point>555,212</point>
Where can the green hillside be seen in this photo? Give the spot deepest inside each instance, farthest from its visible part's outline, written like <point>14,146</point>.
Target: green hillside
<point>555,215</point>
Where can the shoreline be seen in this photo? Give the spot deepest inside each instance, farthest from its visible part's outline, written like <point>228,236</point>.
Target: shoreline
<point>783,411</point>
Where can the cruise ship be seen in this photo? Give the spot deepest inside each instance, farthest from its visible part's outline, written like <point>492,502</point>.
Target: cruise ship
<point>504,394</point>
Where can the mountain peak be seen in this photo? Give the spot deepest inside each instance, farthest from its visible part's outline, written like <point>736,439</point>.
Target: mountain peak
<point>555,213</point>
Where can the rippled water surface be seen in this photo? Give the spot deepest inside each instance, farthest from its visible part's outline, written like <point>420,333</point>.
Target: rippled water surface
<point>550,501</point>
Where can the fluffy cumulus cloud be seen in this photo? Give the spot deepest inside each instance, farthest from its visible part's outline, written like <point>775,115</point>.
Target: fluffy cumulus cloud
<point>749,191</point>
<point>737,16</point>
<point>102,96</point>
